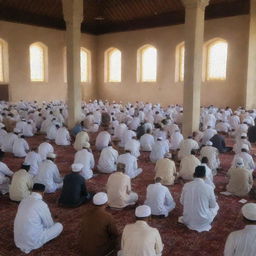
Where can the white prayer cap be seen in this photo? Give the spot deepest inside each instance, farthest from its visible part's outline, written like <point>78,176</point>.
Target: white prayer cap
<point>87,145</point>
<point>159,138</point>
<point>208,143</point>
<point>168,155</point>
<point>51,155</point>
<point>16,130</point>
<point>2,125</point>
<point>77,167</point>
<point>243,135</point>
<point>249,211</point>
<point>100,198</point>
<point>245,146</point>
<point>142,211</point>
<point>239,161</point>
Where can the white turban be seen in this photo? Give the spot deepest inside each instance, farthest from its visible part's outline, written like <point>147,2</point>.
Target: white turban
<point>51,155</point>
<point>16,130</point>
<point>243,135</point>
<point>87,145</point>
<point>239,162</point>
<point>77,167</point>
<point>208,143</point>
<point>142,211</point>
<point>245,146</point>
<point>159,138</point>
<point>168,155</point>
<point>249,211</point>
<point>100,198</point>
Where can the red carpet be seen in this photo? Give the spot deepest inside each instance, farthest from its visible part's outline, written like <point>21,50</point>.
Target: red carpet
<point>177,239</point>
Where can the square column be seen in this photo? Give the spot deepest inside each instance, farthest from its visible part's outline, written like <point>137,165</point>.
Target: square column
<point>73,16</point>
<point>251,66</point>
<point>194,38</point>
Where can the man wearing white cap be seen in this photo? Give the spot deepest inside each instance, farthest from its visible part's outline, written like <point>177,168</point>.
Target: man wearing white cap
<point>86,158</point>
<point>133,145</point>
<point>82,140</point>
<point>240,179</point>
<point>159,199</point>
<point>22,183</point>
<point>159,149</point>
<point>33,224</point>
<point>212,154</point>
<point>242,141</point>
<point>199,203</point>
<point>147,141</point>
<point>247,158</point>
<point>186,146</point>
<point>139,239</point>
<point>208,134</point>
<point>103,139</point>
<point>9,139</point>
<point>98,229</point>
<point>108,159</point>
<point>34,160</point>
<point>20,147</point>
<point>166,169</point>
<point>3,132</point>
<point>242,242</point>
<point>62,137</point>
<point>119,189</point>
<point>74,192</point>
<point>188,165</point>
<point>131,165</point>
<point>175,139</point>
<point>49,174</point>
<point>44,148</point>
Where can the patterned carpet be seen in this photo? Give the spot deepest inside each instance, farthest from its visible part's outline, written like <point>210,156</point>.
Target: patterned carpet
<point>177,239</point>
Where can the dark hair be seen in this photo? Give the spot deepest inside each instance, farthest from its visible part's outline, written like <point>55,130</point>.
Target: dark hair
<point>199,171</point>
<point>38,187</point>
<point>25,167</point>
<point>193,152</point>
<point>205,160</point>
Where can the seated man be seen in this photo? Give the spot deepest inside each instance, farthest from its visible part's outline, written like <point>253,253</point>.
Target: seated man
<point>20,147</point>
<point>108,159</point>
<point>147,141</point>
<point>102,238</point>
<point>199,203</point>
<point>159,149</point>
<point>34,160</point>
<point>33,224</point>
<point>139,238</point>
<point>103,139</point>
<point>186,146</point>
<point>242,242</point>
<point>86,158</point>
<point>240,179</point>
<point>131,165</point>
<point>8,140</point>
<point>49,174</point>
<point>62,137</point>
<point>44,148</point>
<point>119,189</point>
<point>208,172</point>
<point>82,140</point>
<point>188,165</point>
<point>159,199</point>
<point>218,141</point>
<point>74,192</point>
<point>22,183</point>
<point>4,172</point>
<point>166,169</point>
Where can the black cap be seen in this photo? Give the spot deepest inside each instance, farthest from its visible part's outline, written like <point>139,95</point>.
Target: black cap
<point>200,171</point>
<point>38,187</point>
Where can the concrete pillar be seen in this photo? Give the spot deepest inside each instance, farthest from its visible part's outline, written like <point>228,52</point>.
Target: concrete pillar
<point>251,66</point>
<point>73,16</point>
<point>194,37</point>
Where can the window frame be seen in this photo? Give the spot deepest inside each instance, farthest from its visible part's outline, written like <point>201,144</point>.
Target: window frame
<point>178,63</point>
<point>88,67</point>
<point>4,61</point>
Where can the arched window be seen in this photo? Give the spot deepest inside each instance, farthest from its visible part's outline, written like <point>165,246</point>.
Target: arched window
<point>147,64</point>
<point>113,65</point>
<point>216,62</point>
<point>3,61</point>
<point>179,62</point>
<point>38,62</point>
<point>85,64</point>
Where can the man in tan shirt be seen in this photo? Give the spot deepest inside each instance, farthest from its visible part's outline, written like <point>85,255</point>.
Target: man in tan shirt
<point>139,239</point>
<point>240,179</point>
<point>119,189</point>
<point>165,169</point>
<point>21,185</point>
<point>98,230</point>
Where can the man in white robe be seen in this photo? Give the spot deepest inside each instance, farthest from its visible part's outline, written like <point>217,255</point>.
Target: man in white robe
<point>186,146</point>
<point>131,165</point>
<point>159,149</point>
<point>49,174</point>
<point>82,140</point>
<point>51,132</point>
<point>119,189</point>
<point>103,139</point>
<point>44,149</point>
<point>133,145</point>
<point>175,139</point>
<point>208,172</point>
<point>242,242</point>
<point>20,147</point>
<point>240,142</point>
<point>33,224</point>
<point>199,203</point>
<point>3,132</point>
<point>208,134</point>
<point>9,139</point>
<point>108,159</point>
<point>86,158</point>
<point>159,199</point>
<point>147,141</point>
<point>62,137</point>
<point>188,165</point>
<point>28,129</point>
<point>34,160</point>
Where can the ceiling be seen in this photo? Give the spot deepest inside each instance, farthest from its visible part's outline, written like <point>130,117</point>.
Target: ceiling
<point>106,16</point>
